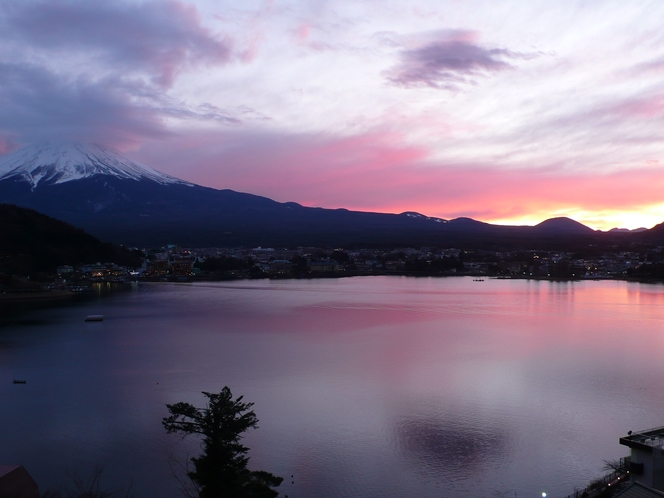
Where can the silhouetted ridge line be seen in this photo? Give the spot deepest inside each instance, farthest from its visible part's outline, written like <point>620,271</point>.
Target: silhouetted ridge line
<point>143,207</point>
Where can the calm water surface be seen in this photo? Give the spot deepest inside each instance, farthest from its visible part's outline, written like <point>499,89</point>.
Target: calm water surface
<point>364,387</point>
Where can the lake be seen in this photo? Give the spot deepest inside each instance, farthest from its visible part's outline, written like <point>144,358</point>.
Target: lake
<point>364,387</point>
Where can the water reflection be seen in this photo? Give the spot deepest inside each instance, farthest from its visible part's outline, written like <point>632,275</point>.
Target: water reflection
<point>444,446</point>
<point>372,386</point>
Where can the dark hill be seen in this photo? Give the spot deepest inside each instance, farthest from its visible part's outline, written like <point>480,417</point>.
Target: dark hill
<point>32,243</point>
<point>563,225</point>
<point>654,236</point>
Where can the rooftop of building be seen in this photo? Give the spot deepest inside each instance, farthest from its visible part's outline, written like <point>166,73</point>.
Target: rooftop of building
<point>645,440</point>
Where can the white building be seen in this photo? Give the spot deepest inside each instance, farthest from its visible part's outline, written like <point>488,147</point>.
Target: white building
<point>646,461</point>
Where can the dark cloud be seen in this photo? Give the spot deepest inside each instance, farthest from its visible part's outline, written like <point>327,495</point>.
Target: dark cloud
<point>449,62</point>
<point>39,104</point>
<point>157,38</point>
<point>101,71</point>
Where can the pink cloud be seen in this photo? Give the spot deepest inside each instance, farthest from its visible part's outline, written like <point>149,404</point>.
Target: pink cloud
<point>252,46</point>
<point>609,118</point>
<point>377,172</point>
<point>640,108</point>
<point>8,144</point>
<point>654,66</point>
<point>487,193</point>
<point>302,33</point>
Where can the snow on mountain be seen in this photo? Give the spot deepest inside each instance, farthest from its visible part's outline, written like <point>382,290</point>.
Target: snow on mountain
<point>413,214</point>
<point>60,163</point>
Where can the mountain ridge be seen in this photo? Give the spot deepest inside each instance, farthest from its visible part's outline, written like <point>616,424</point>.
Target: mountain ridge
<point>117,199</point>
<point>563,224</point>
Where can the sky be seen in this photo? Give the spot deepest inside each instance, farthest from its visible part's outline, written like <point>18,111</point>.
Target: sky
<point>503,111</point>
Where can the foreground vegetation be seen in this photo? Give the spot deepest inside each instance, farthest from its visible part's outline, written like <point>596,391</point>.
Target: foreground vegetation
<point>221,470</point>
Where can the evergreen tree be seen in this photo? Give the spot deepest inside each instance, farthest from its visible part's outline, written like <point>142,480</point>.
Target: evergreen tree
<point>221,470</point>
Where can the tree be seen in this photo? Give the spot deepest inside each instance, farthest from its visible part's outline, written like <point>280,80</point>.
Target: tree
<point>221,470</point>
<point>615,466</point>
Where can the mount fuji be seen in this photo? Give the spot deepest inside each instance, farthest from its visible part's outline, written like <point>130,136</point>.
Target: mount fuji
<point>51,164</point>
<point>100,190</point>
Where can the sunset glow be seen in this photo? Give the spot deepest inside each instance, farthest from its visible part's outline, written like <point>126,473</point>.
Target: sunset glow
<point>506,112</point>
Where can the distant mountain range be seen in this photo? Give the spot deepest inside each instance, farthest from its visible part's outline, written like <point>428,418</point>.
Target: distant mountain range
<point>116,199</point>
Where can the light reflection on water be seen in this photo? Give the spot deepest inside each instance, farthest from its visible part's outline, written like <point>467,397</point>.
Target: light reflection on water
<point>373,386</point>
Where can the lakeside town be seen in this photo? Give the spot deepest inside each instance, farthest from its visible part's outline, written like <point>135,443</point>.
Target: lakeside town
<point>173,263</point>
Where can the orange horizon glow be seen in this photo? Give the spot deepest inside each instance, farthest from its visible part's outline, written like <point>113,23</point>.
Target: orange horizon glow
<point>601,221</point>
<point>379,173</point>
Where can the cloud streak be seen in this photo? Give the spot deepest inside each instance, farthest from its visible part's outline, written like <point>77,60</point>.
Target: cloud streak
<point>454,59</point>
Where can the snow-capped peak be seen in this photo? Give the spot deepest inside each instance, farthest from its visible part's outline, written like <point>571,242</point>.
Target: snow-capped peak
<point>60,163</point>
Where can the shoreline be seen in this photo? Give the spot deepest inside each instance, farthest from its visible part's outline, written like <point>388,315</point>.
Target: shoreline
<point>55,296</point>
<point>35,296</point>
<point>212,278</point>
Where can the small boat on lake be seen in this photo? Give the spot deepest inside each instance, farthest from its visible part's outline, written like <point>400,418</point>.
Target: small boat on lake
<point>94,318</point>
